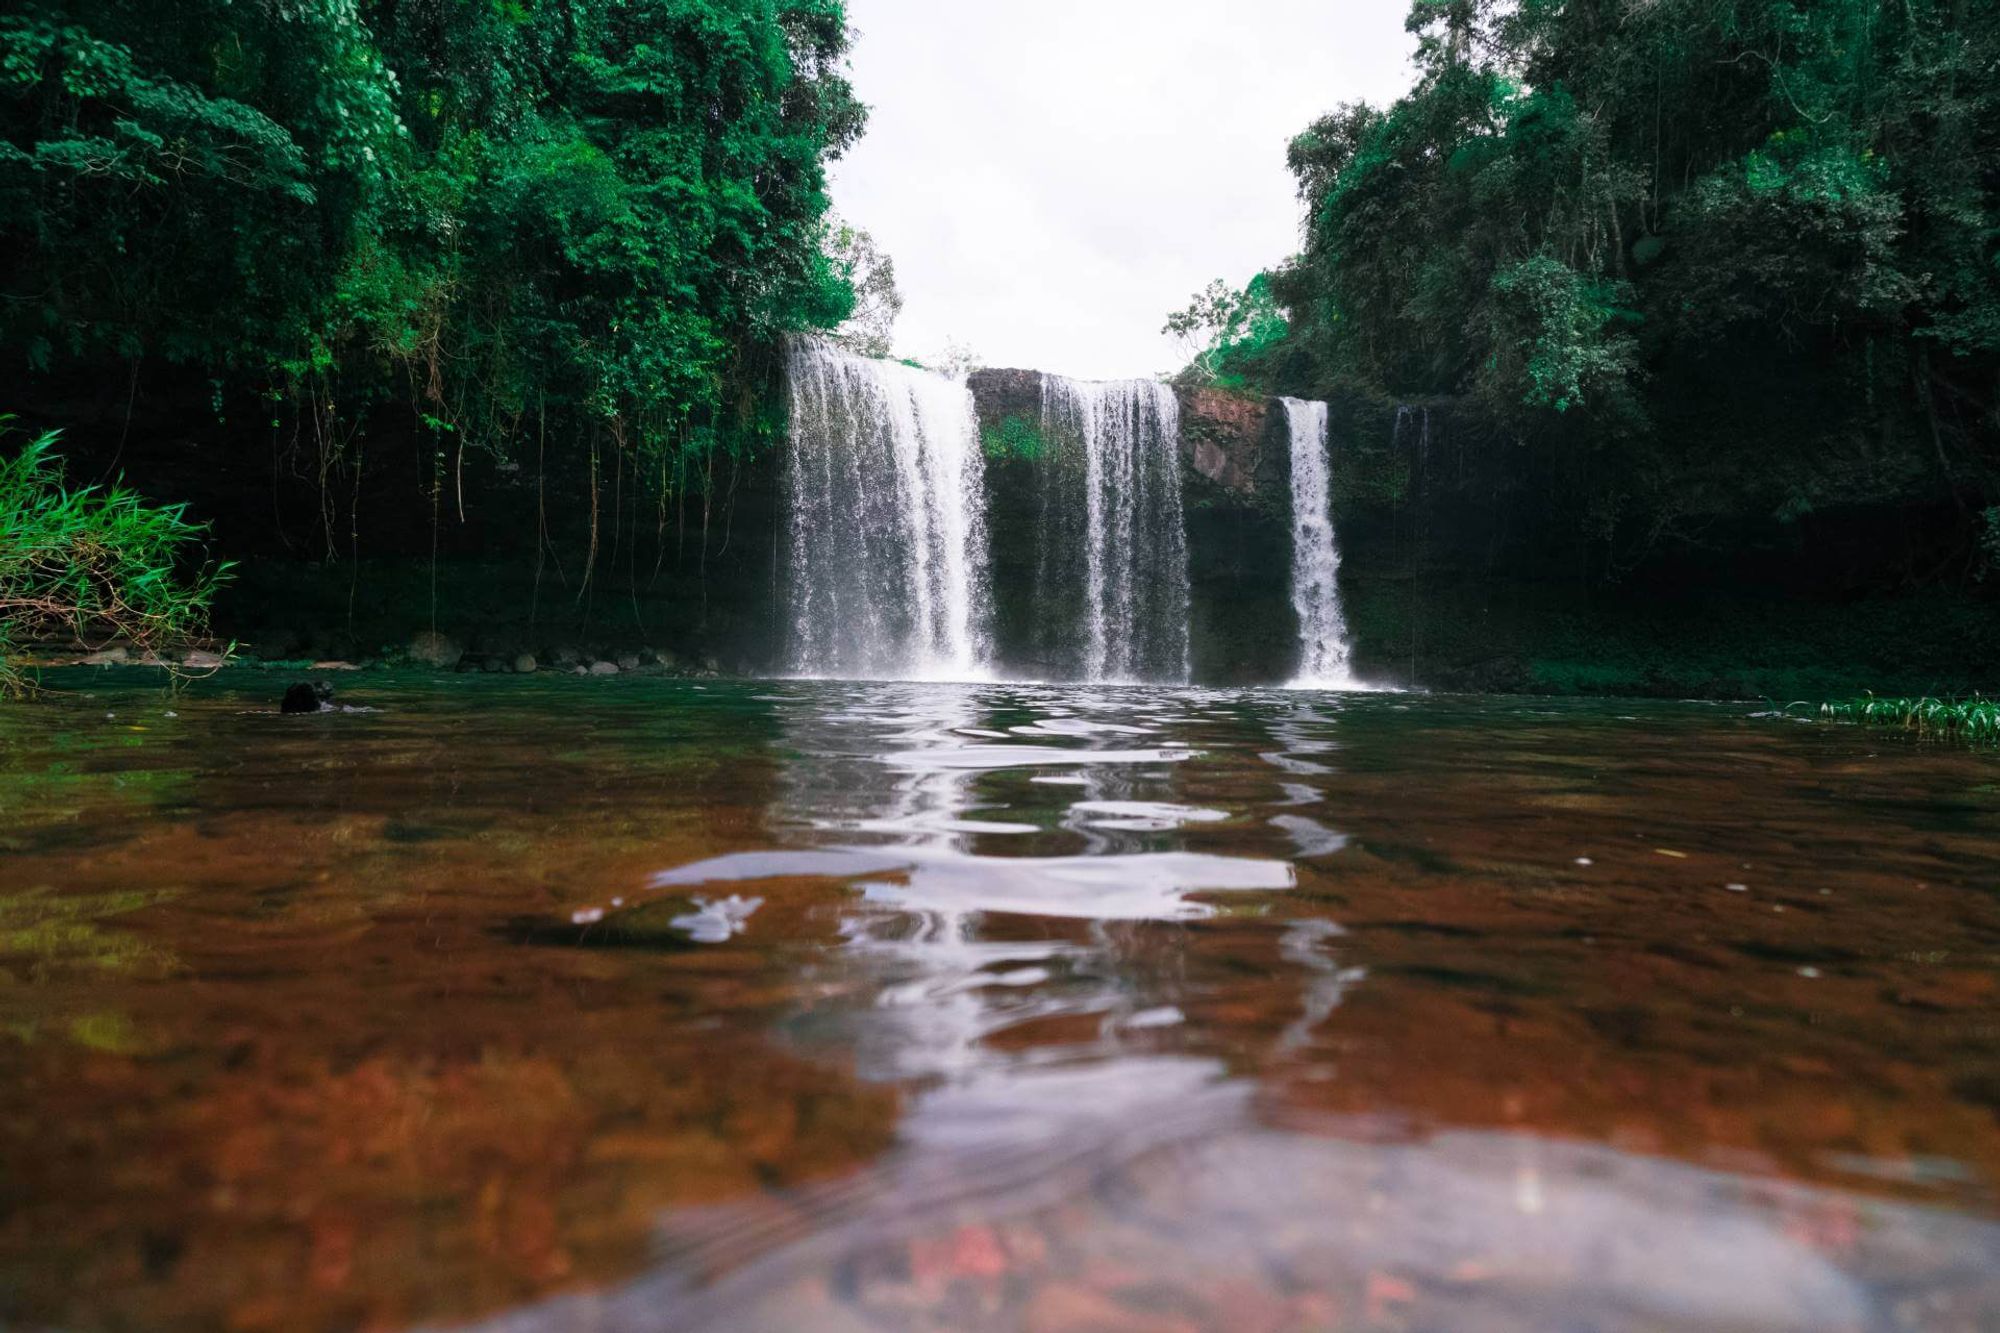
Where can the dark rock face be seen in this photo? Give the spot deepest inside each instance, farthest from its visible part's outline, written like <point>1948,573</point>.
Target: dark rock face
<point>1235,441</point>
<point>1229,439</point>
<point>1236,489</point>
<point>999,394</point>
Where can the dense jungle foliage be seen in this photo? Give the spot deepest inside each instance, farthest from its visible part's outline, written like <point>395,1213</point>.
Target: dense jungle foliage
<point>562,226</point>
<point>1668,267</point>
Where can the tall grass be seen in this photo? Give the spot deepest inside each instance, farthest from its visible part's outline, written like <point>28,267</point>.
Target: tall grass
<point>1975,721</point>
<point>92,562</point>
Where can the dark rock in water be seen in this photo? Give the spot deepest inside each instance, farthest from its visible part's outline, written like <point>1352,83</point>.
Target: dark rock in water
<point>316,697</point>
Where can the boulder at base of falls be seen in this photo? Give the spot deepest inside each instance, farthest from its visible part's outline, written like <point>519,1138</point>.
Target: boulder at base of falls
<point>308,697</point>
<point>432,649</point>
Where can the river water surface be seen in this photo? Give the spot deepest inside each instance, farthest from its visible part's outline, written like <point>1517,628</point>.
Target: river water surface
<point>635,1004</point>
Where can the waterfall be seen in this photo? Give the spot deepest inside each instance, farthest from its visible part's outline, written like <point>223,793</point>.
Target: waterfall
<point>1111,529</point>
<point>884,493</point>
<point>1315,557</point>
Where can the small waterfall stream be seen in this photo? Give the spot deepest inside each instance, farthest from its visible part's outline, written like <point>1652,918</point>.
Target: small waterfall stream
<point>1324,651</point>
<point>884,500</point>
<point>1112,530</point>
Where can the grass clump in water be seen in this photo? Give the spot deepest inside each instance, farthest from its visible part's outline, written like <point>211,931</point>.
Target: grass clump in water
<point>1974,721</point>
<point>92,561</point>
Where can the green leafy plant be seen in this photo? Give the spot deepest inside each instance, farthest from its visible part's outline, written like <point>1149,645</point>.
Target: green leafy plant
<point>1975,720</point>
<point>93,562</point>
<point>1016,438</point>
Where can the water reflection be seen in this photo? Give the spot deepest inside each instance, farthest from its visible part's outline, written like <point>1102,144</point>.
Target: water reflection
<point>964,929</point>
<point>1009,950</point>
<point>808,1005</point>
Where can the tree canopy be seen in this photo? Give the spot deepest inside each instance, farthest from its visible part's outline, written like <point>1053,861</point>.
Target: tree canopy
<point>1672,259</point>
<point>602,210</point>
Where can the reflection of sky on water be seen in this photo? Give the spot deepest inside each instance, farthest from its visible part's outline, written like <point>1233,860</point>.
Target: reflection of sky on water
<point>941,864</point>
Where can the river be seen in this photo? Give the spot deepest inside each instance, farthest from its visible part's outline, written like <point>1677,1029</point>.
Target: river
<point>628,1004</point>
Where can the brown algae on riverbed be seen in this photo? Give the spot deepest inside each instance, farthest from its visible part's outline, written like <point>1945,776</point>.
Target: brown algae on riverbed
<point>633,1004</point>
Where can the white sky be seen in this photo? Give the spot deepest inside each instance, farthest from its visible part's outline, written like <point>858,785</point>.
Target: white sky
<point>1052,177</point>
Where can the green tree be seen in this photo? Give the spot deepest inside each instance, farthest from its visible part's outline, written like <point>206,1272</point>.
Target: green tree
<point>1706,258</point>
<point>592,220</point>
<point>1224,333</point>
<point>862,264</point>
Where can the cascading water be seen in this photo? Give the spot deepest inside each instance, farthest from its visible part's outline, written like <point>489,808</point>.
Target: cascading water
<point>885,502</point>
<point>1323,659</point>
<point>1111,528</point>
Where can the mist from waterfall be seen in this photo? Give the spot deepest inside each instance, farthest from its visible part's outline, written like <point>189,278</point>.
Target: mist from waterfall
<point>884,493</point>
<point>1112,541</point>
<point>1324,650</point>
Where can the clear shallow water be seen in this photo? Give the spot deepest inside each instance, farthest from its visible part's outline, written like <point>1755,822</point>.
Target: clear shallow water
<point>632,1004</point>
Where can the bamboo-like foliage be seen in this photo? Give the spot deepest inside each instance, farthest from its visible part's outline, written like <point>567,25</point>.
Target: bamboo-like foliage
<point>93,562</point>
<point>1975,721</point>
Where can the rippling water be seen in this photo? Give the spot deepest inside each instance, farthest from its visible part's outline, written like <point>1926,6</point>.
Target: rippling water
<point>632,1004</point>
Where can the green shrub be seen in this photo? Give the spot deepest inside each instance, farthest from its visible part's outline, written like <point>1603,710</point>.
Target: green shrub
<point>93,562</point>
<point>1016,438</point>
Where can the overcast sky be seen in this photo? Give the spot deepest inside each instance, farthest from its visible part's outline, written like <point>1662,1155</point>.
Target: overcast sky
<point>1052,177</point>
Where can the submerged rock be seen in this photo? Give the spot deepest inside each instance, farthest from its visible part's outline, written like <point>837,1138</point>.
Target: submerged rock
<point>525,664</point>
<point>603,668</point>
<point>308,697</point>
<point>202,660</point>
<point>109,657</point>
<point>717,921</point>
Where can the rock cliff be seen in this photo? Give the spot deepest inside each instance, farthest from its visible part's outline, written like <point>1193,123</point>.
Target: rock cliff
<point>1233,441</point>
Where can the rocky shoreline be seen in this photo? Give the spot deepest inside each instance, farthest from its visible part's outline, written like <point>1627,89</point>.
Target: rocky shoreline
<point>425,650</point>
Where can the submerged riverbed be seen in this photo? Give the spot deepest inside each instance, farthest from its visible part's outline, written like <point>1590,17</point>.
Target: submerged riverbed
<point>634,1004</point>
